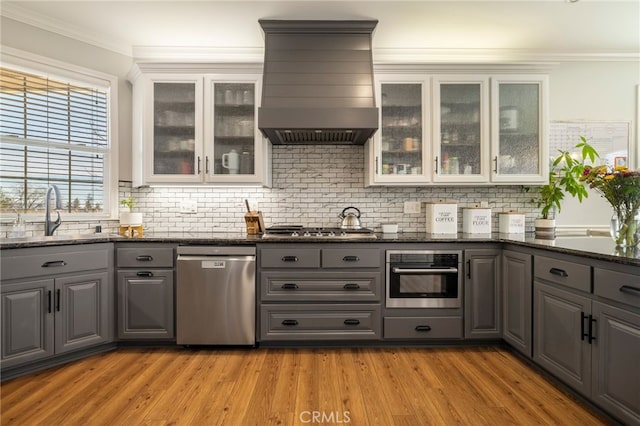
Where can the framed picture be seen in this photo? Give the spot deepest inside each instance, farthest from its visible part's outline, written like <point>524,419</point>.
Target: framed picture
<point>619,161</point>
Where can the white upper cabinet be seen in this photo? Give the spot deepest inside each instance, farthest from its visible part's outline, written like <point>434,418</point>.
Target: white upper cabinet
<point>459,129</point>
<point>234,148</point>
<point>519,144</point>
<point>399,150</point>
<point>193,128</point>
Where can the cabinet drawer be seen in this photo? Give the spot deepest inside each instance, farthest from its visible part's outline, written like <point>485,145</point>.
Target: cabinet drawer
<point>48,261</point>
<point>562,272</point>
<point>351,258</point>
<point>290,258</point>
<point>314,286</point>
<point>145,257</point>
<point>320,322</point>
<point>618,286</point>
<point>423,328</point>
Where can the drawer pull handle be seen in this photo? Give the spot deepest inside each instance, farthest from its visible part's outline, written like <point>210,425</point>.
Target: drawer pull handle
<point>559,272</point>
<point>351,286</point>
<point>630,290</point>
<point>289,258</point>
<point>583,317</point>
<point>144,258</point>
<point>290,286</point>
<point>423,328</point>
<point>350,321</point>
<point>54,263</point>
<point>58,300</point>
<point>592,322</point>
<point>144,274</point>
<point>290,322</point>
<point>350,259</point>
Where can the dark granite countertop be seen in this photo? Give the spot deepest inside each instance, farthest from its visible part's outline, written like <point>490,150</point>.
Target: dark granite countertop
<point>594,247</point>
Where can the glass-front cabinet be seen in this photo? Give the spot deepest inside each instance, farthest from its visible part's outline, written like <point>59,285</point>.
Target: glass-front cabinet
<point>460,129</point>
<point>400,150</point>
<point>174,144</point>
<point>193,128</point>
<point>519,119</point>
<point>232,143</point>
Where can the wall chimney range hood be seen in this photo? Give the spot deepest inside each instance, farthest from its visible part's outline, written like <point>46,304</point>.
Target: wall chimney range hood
<point>318,82</point>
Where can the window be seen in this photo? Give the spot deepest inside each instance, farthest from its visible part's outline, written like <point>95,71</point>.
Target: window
<point>53,131</point>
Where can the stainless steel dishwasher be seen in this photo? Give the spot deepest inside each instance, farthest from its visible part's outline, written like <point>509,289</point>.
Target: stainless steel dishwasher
<point>215,295</point>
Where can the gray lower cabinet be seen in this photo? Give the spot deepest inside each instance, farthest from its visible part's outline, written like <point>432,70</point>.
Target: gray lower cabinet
<point>616,353</point>
<point>517,300</point>
<point>146,291</point>
<point>319,292</point>
<point>482,295</point>
<point>55,300</point>
<point>587,333</point>
<point>561,335</point>
<point>27,322</point>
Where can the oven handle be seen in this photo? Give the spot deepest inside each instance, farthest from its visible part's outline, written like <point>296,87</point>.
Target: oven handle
<point>450,270</point>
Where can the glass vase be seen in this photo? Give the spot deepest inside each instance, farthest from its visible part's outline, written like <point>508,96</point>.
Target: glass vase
<point>625,227</point>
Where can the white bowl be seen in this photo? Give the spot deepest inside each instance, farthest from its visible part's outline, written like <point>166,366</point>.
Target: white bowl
<point>389,228</point>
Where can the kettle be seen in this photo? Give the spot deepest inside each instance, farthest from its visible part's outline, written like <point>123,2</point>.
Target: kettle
<point>350,220</point>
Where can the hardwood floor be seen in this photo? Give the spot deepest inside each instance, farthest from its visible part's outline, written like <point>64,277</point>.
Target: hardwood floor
<point>374,386</point>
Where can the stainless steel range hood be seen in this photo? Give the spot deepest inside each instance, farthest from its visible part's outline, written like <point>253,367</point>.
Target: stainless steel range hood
<point>318,82</point>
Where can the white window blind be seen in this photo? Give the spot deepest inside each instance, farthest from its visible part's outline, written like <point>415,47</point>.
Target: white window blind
<point>52,132</point>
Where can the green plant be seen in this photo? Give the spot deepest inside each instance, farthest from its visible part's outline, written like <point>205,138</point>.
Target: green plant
<point>565,175</point>
<point>130,203</point>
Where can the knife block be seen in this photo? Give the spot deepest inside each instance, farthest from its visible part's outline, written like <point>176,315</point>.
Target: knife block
<point>255,223</point>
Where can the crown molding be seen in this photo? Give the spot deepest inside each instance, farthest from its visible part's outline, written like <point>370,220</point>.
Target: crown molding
<point>495,56</point>
<point>199,54</point>
<point>14,11</point>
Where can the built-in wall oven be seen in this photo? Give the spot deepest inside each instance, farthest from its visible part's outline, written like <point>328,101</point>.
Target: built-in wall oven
<point>424,279</point>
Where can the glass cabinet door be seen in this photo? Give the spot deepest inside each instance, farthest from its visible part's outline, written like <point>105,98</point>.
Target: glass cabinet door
<point>518,118</point>
<point>400,145</point>
<point>232,155</point>
<point>460,140</point>
<point>175,128</point>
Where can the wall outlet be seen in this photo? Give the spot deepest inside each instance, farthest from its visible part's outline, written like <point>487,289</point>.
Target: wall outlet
<point>189,206</point>
<point>412,207</point>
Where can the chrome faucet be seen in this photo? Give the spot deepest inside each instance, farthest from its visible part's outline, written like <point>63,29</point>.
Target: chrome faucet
<point>49,225</point>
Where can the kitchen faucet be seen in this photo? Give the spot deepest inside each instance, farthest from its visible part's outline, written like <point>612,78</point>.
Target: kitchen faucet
<point>49,225</point>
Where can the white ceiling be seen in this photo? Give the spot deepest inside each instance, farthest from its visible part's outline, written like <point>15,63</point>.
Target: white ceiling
<point>586,27</point>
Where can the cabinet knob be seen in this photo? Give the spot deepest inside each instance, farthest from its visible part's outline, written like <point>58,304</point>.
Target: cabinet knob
<point>289,286</point>
<point>351,321</point>
<point>144,258</point>
<point>423,328</point>
<point>289,258</point>
<point>290,322</point>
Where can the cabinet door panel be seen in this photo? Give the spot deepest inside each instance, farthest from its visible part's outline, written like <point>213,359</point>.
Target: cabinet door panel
<point>518,121</point>
<point>559,343</point>
<point>461,107</point>
<point>82,318</point>
<point>27,322</point>
<point>516,299</point>
<point>616,351</point>
<point>483,300</point>
<point>145,305</point>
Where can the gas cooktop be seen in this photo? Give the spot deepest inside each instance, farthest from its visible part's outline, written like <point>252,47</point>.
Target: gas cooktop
<point>301,232</point>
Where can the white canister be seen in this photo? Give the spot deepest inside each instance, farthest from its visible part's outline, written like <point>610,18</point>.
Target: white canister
<point>231,162</point>
<point>442,217</point>
<point>476,220</point>
<point>511,222</point>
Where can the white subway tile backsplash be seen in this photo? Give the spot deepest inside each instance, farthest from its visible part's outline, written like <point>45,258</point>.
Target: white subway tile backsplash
<point>311,186</point>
